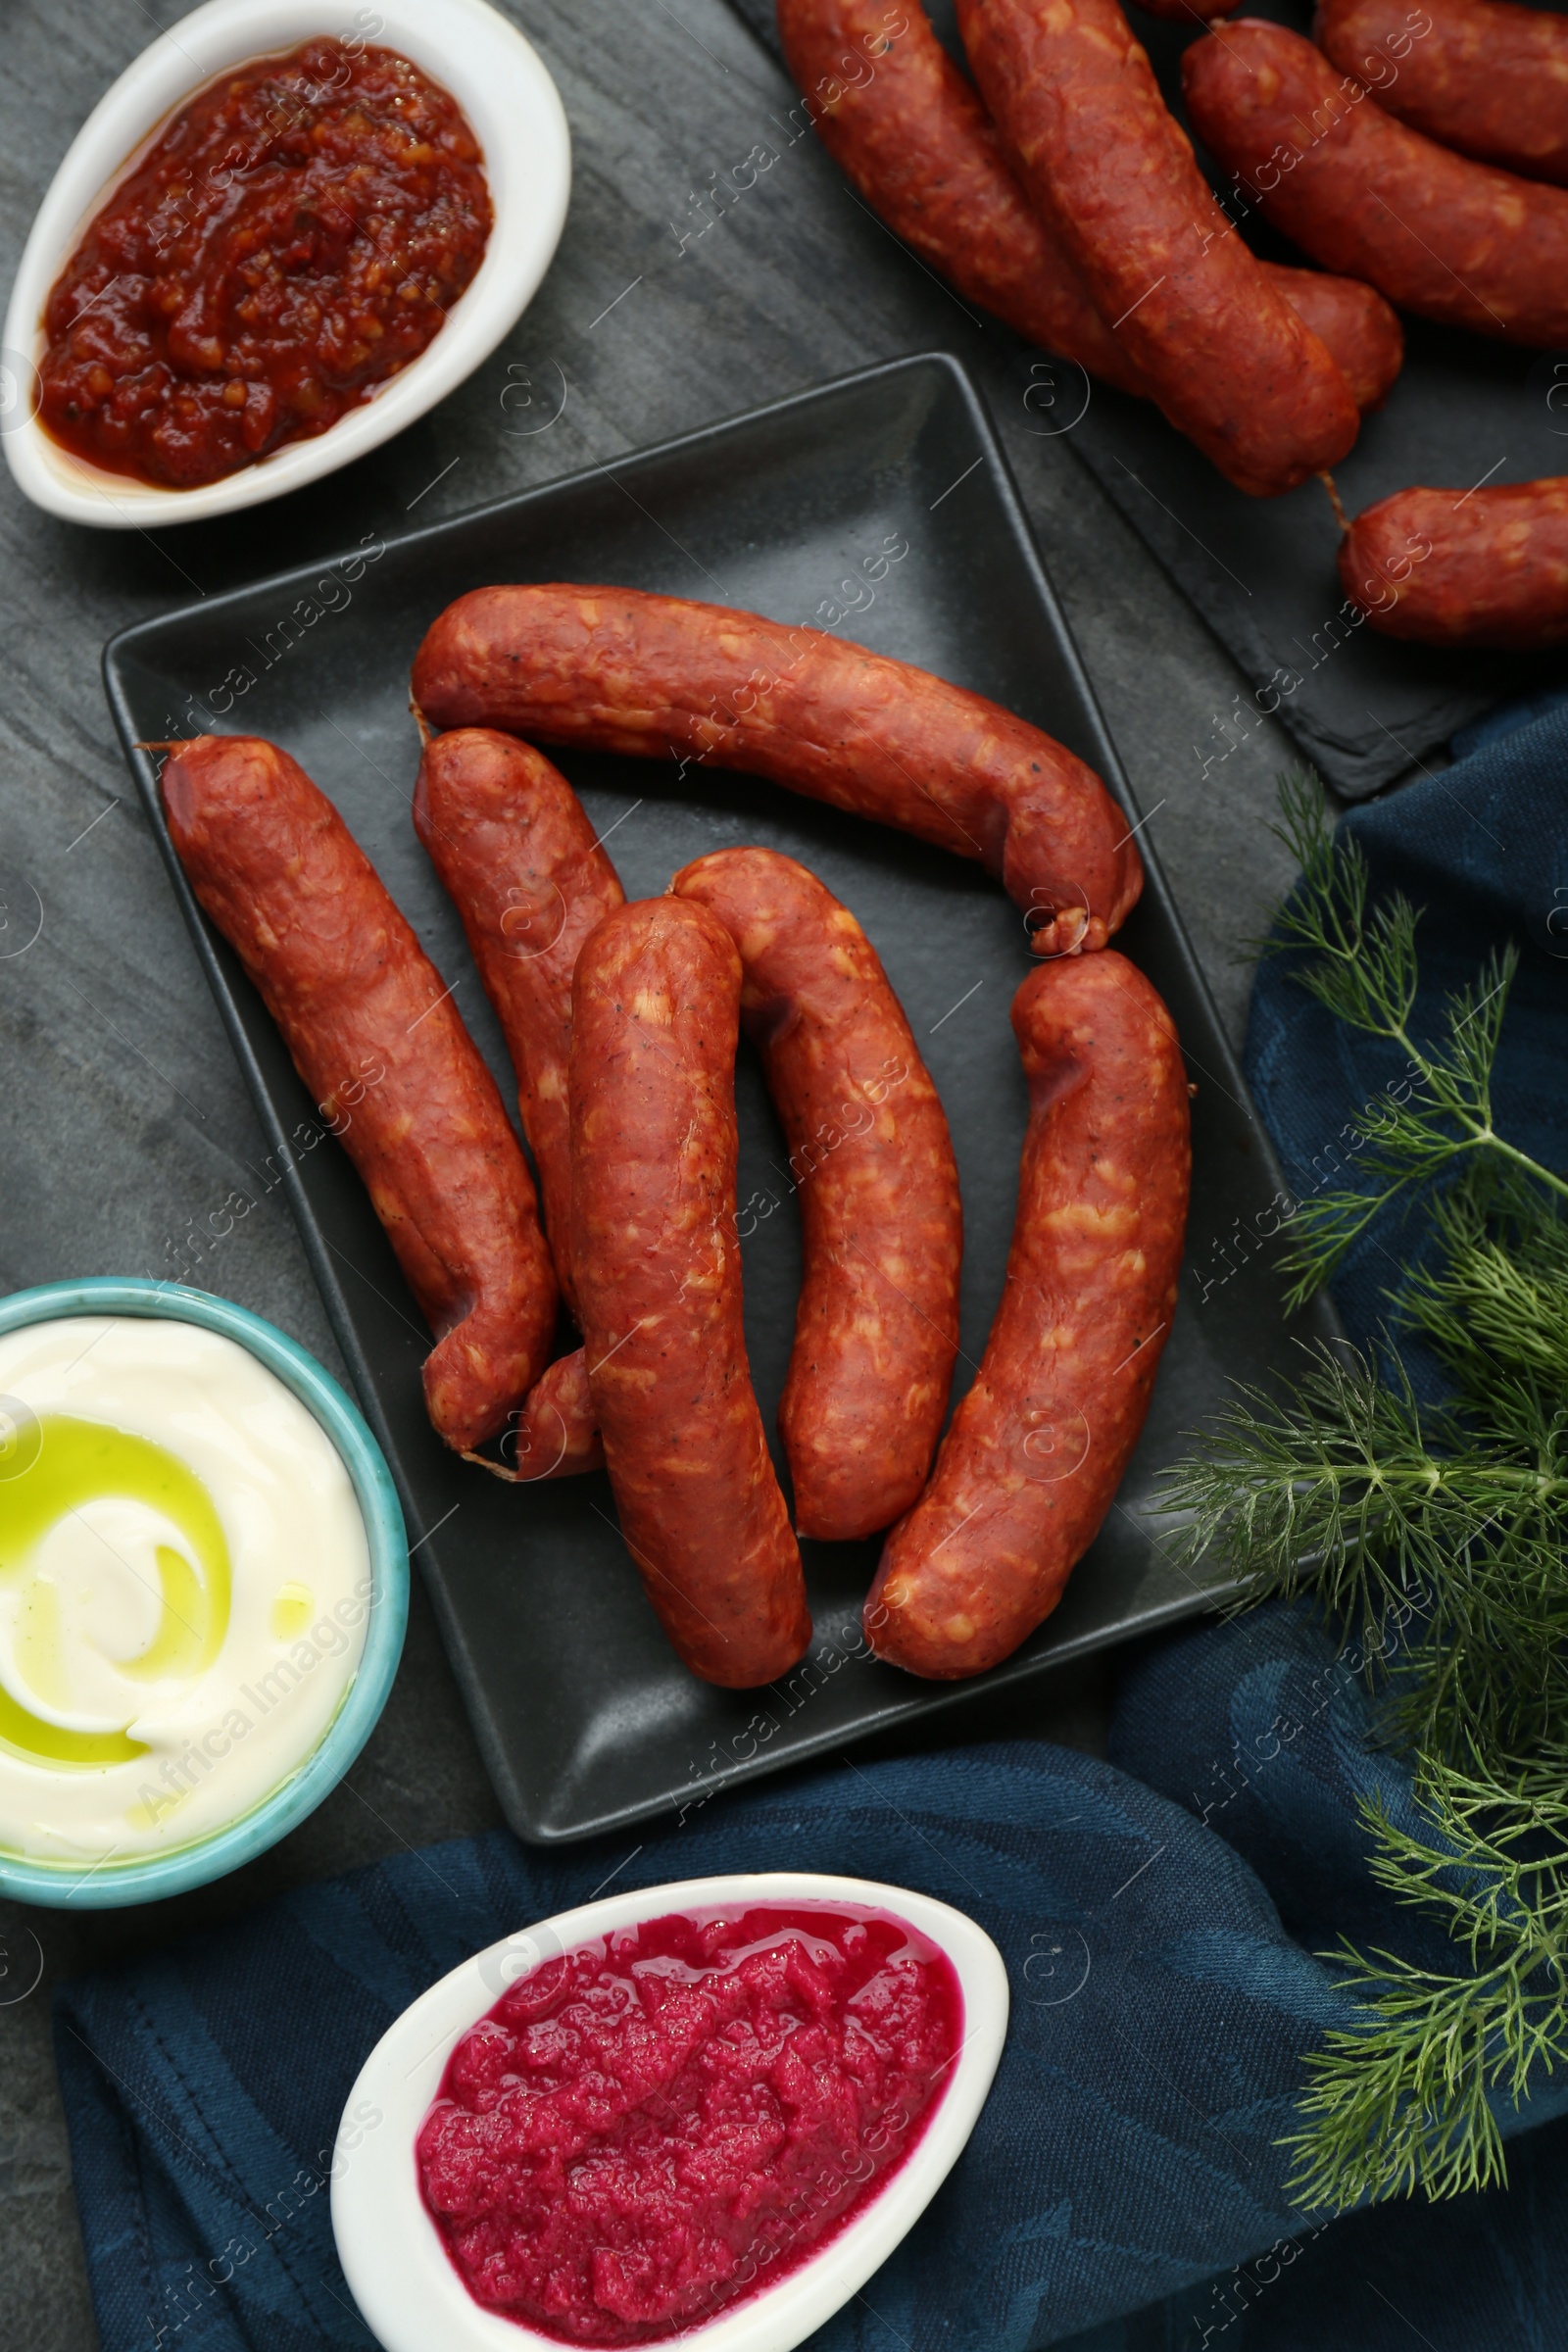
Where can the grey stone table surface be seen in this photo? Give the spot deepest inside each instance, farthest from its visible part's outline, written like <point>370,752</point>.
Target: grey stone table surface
<point>122,1113</point>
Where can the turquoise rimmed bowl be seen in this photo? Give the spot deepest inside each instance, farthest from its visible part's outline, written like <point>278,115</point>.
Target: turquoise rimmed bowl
<point>64,1884</point>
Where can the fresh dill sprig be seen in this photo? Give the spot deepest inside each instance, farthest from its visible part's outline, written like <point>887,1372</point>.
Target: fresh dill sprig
<point>1504,1280</point>
<point>1363,968</point>
<point>1407,2101</point>
<point>1455,1518</point>
<point>1450,1523</point>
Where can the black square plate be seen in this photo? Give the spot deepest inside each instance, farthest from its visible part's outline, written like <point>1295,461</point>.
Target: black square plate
<point>884,493</point>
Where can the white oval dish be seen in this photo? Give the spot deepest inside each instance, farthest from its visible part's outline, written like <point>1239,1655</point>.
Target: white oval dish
<point>515,112</point>
<point>396,2265</point>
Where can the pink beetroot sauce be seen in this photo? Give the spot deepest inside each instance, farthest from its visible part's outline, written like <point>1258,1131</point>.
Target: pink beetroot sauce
<point>647,2130</point>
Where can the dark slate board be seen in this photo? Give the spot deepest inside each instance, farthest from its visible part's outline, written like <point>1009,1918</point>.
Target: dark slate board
<point>586,1718</point>
<point>1261,572</point>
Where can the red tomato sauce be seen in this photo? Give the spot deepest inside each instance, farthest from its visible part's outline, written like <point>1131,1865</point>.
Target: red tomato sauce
<point>295,237</point>
<point>646,2131</point>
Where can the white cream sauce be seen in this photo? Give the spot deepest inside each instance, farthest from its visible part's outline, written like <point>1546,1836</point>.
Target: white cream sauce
<point>184,1586</point>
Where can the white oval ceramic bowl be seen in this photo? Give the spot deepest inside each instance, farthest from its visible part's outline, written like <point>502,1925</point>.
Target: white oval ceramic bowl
<point>407,2290</point>
<point>517,115</point>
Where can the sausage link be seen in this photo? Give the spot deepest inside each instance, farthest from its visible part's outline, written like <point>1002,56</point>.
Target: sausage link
<point>1229,362</point>
<point>1440,235</point>
<point>557,1435</point>
<point>917,143</point>
<point>376,1039</point>
<point>1037,1449</point>
<point>655,1008</point>
<point>916,140</point>
<point>619,671</point>
<point>1360,330</point>
<point>877,1326</point>
<point>1481,75</point>
<point>1464,568</point>
<point>516,851</point>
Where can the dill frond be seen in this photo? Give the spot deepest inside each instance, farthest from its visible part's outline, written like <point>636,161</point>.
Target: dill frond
<point>1361,965</point>
<point>1450,1524</point>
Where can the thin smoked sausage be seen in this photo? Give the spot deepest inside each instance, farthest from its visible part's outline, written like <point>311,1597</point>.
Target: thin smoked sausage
<point>518,856</point>
<point>877,1326</point>
<point>1083,122</point>
<point>1485,566</point>
<point>916,141</point>
<point>1480,76</point>
<point>619,671</point>
<point>1361,331</point>
<point>1037,1449</point>
<point>376,1037</point>
<point>556,1435</point>
<point>655,1008</point>
<point>1439,236</point>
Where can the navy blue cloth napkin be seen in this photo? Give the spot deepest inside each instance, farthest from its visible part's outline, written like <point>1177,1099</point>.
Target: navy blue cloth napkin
<point>1159,1915</point>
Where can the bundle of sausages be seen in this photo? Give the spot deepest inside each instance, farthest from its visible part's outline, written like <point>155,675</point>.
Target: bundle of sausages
<point>1074,209</point>
<point>1420,153</point>
<point>1377,169</point>
<point>622,1020</point>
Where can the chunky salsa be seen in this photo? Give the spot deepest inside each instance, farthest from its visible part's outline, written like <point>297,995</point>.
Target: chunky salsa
<point>643,2132</point>
<point>295,237</point>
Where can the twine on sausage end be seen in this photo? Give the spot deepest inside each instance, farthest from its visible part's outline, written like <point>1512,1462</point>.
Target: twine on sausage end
<point>427,737</point>
<point>1327,481</point>
<point>496,1469</point>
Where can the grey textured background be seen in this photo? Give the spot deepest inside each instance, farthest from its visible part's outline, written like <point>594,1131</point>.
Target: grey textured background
<point>121,1115</point>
